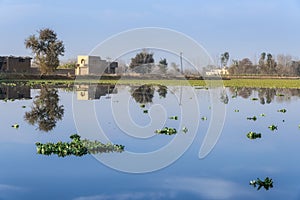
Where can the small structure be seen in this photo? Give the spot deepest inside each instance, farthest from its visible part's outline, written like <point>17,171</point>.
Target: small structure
<point>8,92</point>
<point>15,64</point>
<point>93,65</point>
<point>217,72</point>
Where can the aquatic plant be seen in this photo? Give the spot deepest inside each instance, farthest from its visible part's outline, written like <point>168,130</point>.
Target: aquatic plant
<point>252,135</point>
<point>254,99</point>
<point>184,129</point>
<point>166,131</point>
<point>282,110</point>
<point>262,115</point>
<point>254,118</point>
<point>15,126</point>
<point>145,111</point>
<point>77,147</point>
<point>272,127</point>
<point>280,95</point>
<point>236,110</point>
<point>23,106</point>
<point>267,183</point>
<point>174,117</point>
<point>203,118</point>
<point>142,105</point>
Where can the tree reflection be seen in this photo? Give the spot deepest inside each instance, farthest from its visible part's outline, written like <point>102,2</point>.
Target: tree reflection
<point>162,91</point>
<point>143,94</point>
<point>45,111</point>
<point>266,95</point>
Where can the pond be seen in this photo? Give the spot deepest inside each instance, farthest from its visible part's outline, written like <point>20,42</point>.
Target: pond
<point>172,147</point>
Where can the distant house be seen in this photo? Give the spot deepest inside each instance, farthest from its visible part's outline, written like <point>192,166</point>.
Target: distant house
<point>93,65</point>
<point>217,72</point>
<point>15,92</point>
<point>15,64</point>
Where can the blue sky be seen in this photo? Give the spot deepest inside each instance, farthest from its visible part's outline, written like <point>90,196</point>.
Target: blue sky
<point>245,28</point>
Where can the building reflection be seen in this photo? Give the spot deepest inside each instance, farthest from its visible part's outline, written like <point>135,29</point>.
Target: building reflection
<point>14,92</point>
<point>96,91</point>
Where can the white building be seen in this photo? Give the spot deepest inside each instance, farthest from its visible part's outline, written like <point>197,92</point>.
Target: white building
<point>217,72</point>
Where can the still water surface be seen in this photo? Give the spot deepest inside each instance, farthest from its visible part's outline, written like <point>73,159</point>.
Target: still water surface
<point>223,174</point>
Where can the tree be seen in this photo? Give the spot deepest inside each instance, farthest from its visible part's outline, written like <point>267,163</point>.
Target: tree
<point>142,62</point>
<point>45,111</point>
<point>271,64</point>
<point>163,65</point>
<point>224,59</point>
<point>46,48</point>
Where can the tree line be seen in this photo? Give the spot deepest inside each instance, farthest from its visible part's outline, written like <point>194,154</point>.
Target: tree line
<point>47,48</point>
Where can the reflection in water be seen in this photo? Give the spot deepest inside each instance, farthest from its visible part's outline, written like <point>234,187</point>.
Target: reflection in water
<point>45,111</point>
<point>95,91</point>
<point>266,95</point>
<point>224,97</point>
<point>143,94</point>
<point>14,91</point>
<point>162,91</point>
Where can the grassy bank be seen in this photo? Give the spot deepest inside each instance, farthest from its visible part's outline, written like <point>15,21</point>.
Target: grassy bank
<point>260,83</point>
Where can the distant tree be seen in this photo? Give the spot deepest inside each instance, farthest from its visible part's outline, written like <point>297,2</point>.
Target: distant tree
<point>47,48</point>
<point>247,66</point>
<point>45,111</point>
<point>224,59</point>
<point>271,64</point>
<point>261,63</point>
<point>142,62</point>
<point>163,65</point>
<point>69,65</point>
<point>175,67</point>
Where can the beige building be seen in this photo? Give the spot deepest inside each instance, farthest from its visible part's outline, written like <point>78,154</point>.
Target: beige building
<point>93,65</point>
<point>15,64</point>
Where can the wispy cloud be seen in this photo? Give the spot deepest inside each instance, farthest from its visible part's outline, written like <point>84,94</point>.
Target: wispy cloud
<point>131,196</point>
<point>207,188</point>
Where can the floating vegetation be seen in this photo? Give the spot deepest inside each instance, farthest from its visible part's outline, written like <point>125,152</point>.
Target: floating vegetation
<point>267,183</point>
<point>254,99</point>
<point>236,110</point>
<point>280,95</point>
<point>262,114</point>
<point>166,131</point>
<point>15,126</point>
<point>174,117</point>
<point>142,105</point>
<point>254,118</point>
<point>272,127</point>
<point>203,118</point>
<point>77,147</point>
<point>252,135</point>
<point>23,106</point>
<point>282,110</point>
<point>145,111</point>
<point>184,129</point>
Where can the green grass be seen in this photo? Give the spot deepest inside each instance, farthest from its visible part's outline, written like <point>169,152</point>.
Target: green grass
<point>253,83</point>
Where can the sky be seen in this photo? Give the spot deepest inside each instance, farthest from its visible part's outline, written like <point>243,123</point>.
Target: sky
<point>244,28</point>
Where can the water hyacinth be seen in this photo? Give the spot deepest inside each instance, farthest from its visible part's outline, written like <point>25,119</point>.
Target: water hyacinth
<point>166,131</point>
<point>184,129</point>
<point>77,147</point>
<point>254,118</point>
<point>174,117</point>
<point>254,99</point>
<point>267,183</point>
<point>282,110</point>
<point>272,127</point>
<point>252,135</point>
<point>15,126</point>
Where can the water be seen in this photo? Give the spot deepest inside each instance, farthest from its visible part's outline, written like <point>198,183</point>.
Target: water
<point>223,174</point>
